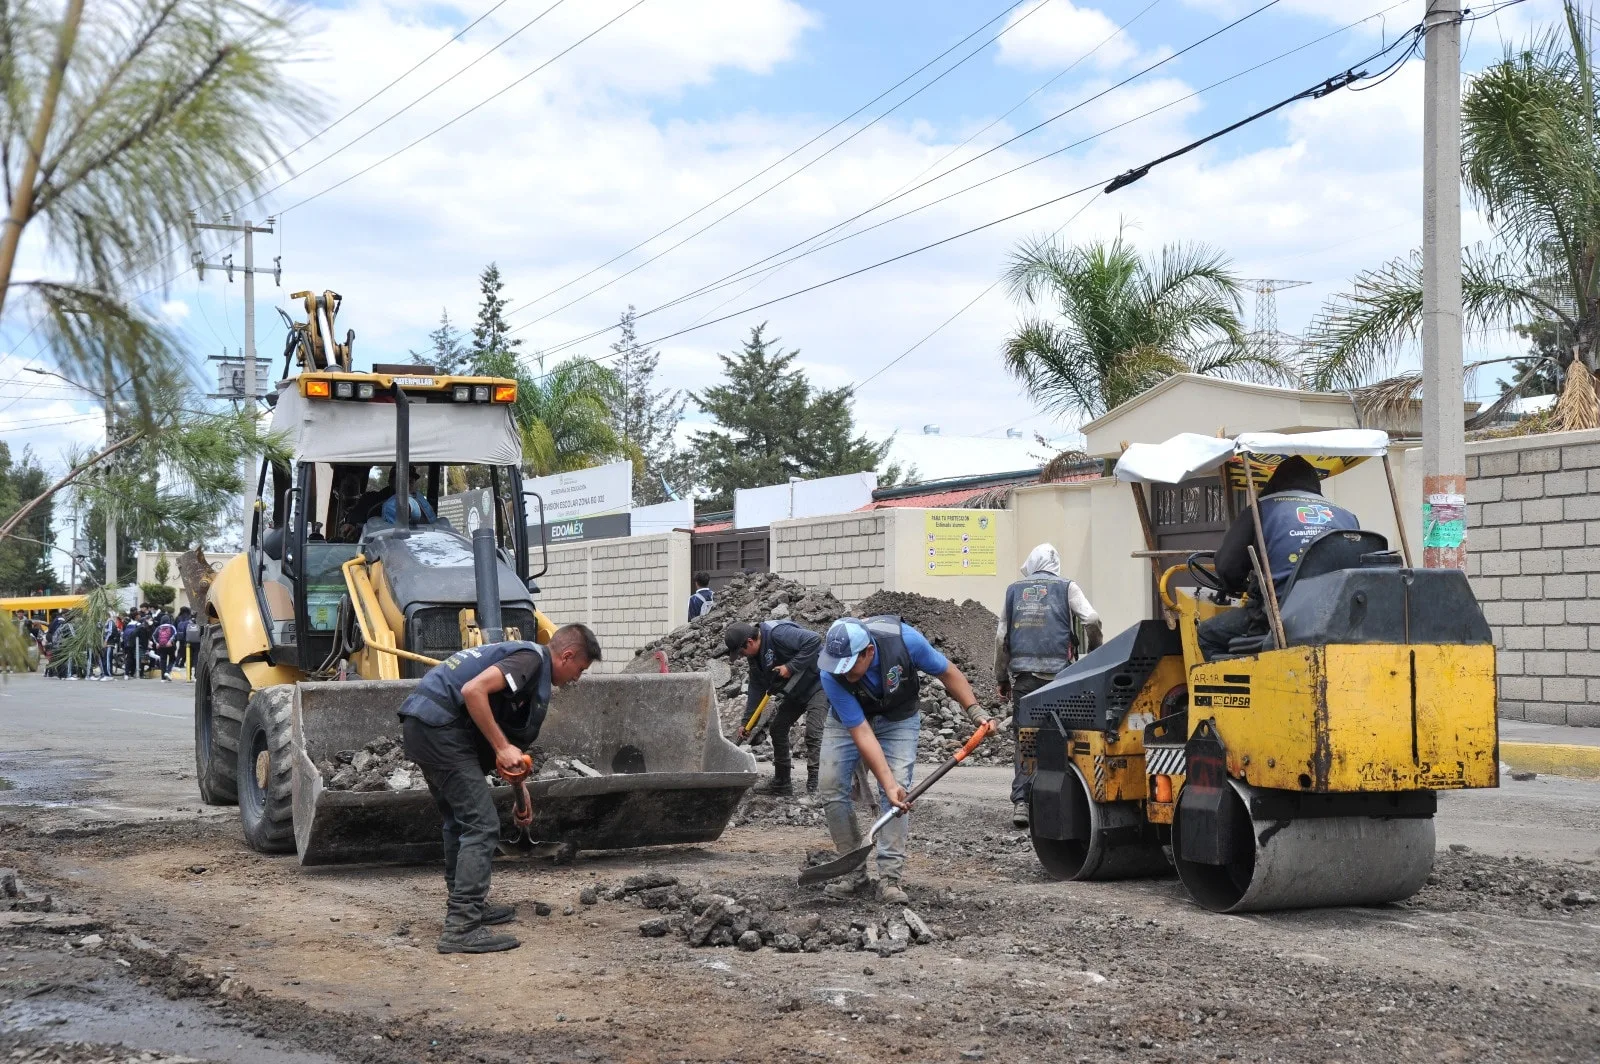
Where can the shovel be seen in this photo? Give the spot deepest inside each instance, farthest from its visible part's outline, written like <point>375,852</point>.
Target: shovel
<point>857,857</point>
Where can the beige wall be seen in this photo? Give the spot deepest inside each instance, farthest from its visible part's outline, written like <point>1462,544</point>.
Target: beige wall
<point>145,572</point>
<point>845,553</point>
<point>629,591</point>
<point>907,536</point>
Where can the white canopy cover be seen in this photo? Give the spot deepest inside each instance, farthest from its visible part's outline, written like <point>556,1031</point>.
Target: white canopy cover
<point>1190,454</point>
<point>332,430</point>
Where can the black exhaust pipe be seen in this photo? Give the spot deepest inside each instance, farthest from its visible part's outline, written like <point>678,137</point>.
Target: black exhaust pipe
<point>486,567</point>
<point>402,461</point>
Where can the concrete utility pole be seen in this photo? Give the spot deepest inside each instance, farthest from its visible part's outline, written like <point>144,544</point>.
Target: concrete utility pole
<point>250,270</point>
<point>1444,444</point>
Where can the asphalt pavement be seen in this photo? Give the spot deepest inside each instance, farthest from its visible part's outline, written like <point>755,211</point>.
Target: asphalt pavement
<point>78,753</point>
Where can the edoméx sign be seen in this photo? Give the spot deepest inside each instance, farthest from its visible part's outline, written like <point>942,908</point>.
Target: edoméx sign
<point>593,503</point>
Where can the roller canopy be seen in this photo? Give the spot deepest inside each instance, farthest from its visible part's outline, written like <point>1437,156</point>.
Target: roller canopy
<point>1190,454</point>
<point>332,430</point>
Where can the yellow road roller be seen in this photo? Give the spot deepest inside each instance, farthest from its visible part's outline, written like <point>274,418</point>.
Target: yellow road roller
<point>1302,767</point>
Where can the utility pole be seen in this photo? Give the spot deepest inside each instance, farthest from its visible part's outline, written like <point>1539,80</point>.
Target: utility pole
<point>250,270</point>
<point>1444,443</point>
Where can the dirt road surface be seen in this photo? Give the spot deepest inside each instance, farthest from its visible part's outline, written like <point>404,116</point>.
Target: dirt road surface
<point>172,936</point>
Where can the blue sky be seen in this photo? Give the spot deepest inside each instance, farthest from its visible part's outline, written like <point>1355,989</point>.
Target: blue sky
<point>682,99</point>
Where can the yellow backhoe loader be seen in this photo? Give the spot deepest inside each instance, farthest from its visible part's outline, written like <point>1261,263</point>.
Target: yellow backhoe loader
<point>352,585</point>
<point>1301,768</point>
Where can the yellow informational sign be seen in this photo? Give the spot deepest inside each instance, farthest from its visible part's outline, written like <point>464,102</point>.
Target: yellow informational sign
<point>959,543</point>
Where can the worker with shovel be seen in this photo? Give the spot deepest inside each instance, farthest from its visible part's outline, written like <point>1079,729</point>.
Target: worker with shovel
<point>871,672</point>
<point>783,665</point>
<point>472,714</point>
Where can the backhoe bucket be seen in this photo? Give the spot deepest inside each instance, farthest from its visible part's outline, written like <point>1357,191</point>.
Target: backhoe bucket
<point>669,775</point>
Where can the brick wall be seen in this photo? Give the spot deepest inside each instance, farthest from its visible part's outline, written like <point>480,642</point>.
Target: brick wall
<point>629,591</point>
<point>845,555</point>
<point>1534,560</point>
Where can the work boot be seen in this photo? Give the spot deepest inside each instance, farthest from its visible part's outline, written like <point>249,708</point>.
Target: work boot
<point>1019,815</point>
<point>478,940</point>
<point>497,914</point>
<point>848,886</point>
<point>777,786</point>
<point>889,892</point>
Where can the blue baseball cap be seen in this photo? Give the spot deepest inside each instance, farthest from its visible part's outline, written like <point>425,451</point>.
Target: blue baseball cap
<point>844,643</point>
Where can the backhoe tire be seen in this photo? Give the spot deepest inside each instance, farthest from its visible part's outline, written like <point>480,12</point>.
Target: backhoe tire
<point>221,694</point>
<point>266,771</point>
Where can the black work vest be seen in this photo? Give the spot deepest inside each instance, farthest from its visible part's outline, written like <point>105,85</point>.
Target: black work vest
<point>1292,519</point>
<point>437,699</point>
<point>901,681</point>
<point>768,658</point>
<point>1039,624</point>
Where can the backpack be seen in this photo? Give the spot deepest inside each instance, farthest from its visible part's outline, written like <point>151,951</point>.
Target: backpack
<point>165,634</point>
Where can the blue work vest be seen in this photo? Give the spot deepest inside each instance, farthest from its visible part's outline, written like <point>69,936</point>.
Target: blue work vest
<point>901,681</point>
<point>437,699</point>
<point>1290,520</point>
<point>1039,624</point>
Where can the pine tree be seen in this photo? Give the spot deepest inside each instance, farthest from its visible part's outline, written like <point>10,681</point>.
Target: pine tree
<point>25,565</point>
<point>773,426</point>
<point>491,335</point>
<point>447,351</point>
<point>645,418</point>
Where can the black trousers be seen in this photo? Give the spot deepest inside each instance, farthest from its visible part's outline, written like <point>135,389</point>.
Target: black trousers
<point>1216,633</point>
<point>815,710</point>
<point>1022,683</point>
<point>454,760</point>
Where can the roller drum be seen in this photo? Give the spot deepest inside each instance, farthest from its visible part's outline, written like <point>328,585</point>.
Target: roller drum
<point>1117,844</point>
<point>1311,862</point>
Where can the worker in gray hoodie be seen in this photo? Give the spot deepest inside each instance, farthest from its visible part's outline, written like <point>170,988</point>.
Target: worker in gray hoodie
<point>1034,641</point>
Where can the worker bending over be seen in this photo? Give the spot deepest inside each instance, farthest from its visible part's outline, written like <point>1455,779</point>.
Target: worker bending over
<point>471,714</point>
<point>1293,513</point>
<point>871,673</point>
<point>783,664</point>
<point>1034,641</point>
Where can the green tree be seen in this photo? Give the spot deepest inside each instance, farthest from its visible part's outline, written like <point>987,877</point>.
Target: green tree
<point>94,562</point>
<point>447,351</point>
<point>1538,372</point>
<point>564,413</point>
<point>773,425</point>
<point>25,563</point>
<point>644,417</point>
<point>117,124</point>
<point>1106,324</point>
<point>491,335</point>
<point>1531,162</point>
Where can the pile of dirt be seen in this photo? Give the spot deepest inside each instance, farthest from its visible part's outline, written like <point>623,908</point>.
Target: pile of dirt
<point>381,765</point>
<point>1463,880</point>
<point>707,917</point>
<point>85,1053</point>
<point>964,633</point>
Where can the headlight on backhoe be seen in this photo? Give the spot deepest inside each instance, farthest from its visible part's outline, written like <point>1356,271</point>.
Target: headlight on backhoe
<point>505,393</point>
<point>316,388</point>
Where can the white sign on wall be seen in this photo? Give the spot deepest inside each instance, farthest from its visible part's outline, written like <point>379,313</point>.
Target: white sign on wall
<point>606,489</point>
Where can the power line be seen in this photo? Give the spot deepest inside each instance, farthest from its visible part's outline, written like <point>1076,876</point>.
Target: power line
<point>363,136</point>
<point>988,151</point>
<point>475,107</point>
<point>745,272</point>
<point>771,166</point>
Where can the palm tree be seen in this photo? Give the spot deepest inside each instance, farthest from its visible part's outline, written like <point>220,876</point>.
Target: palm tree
<point>564,412</point>
<point>1531,162</point>
<point>1124,323</point>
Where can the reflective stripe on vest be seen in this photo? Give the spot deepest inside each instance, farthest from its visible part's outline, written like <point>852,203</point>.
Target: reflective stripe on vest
<point>900,679</point>
<point>1039,624</point>
<point>437,699</point>
<point>1292,519</point>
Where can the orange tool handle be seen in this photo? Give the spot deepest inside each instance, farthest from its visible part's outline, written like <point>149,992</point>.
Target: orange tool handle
<point>522,801</point>
<point>985,730</point>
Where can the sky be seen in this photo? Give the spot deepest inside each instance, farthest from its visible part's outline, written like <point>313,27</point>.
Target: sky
<point>729,121</point>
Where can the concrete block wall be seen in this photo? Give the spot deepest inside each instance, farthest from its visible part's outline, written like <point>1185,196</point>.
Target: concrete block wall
<point>629,591</point>
<point>847,555</point>
<point>1534,559</point>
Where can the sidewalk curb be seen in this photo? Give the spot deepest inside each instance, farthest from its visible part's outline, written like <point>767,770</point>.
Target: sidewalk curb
<point>1553,759</point>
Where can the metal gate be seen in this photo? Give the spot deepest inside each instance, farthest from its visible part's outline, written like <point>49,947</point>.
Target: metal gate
<point>1191,516</point>
<point>726,554</point>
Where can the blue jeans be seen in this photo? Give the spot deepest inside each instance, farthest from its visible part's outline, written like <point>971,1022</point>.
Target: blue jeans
<point>839,759</point>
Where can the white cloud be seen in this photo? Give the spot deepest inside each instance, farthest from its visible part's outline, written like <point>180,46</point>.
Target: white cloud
<point>175,310</point>
<point>1055,32</point>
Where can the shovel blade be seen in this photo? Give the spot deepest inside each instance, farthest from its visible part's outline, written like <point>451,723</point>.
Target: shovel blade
<point>839,866</point>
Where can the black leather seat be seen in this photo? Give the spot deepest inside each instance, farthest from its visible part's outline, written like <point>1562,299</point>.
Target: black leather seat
<point>1334,550</point>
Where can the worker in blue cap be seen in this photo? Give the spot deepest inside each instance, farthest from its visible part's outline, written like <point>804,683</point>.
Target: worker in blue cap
<point>871,671</point>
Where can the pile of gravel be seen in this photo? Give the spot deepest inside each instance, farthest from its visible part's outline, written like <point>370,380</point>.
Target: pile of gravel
<point>751,921</point>
<point>381,765</point>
